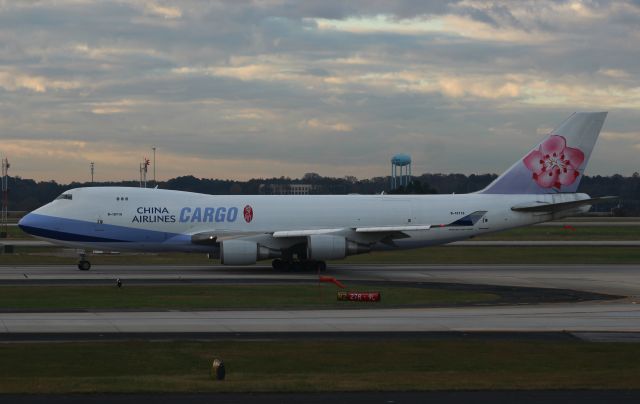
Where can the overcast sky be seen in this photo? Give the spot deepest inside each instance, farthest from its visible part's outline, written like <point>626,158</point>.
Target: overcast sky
<point>240,89</point>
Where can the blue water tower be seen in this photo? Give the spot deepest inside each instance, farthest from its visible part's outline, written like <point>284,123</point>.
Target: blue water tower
<point>400,170</point>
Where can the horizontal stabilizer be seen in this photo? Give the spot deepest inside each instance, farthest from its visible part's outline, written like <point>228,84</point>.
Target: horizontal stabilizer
<point>469,220</point>
<point>556,207</point>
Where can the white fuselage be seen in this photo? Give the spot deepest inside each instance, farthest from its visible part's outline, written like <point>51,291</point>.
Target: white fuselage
<point>122,218</point>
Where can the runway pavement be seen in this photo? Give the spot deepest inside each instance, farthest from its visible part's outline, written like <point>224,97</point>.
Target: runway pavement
<point>622,223</point>
<point>611,317</point>
<point>614,316</point>
<point>549,243</point>
<point>607,279</point>
<point>26,243</point>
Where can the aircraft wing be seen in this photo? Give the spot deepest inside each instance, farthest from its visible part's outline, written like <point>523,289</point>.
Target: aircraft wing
<point>370,233</point>
<point>556,207</point>
<point>305,233</point>
<point>378,229</point>
<point>213,237</point>
<point>468,220</point>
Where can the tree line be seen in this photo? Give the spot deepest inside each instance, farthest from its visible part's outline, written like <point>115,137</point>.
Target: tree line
<point>27,194</point>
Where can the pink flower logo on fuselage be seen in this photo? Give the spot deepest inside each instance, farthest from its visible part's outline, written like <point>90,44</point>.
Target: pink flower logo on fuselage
<point>553,163</point>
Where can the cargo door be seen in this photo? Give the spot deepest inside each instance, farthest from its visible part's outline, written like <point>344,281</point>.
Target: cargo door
<point>398,212</point>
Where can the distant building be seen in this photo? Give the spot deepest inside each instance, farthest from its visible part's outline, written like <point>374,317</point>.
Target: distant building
<point>287,189</point>
<point>300,189</point>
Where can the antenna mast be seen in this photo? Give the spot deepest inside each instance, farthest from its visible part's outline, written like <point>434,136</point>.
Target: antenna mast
<point>4,219</point>
<point>154,166</point>
<point>144,167</point>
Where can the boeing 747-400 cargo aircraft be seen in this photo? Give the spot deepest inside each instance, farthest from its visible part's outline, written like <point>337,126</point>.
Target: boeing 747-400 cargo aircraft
<point>307,230</point>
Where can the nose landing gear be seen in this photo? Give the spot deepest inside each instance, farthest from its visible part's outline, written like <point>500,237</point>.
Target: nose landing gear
<point>83,263</point>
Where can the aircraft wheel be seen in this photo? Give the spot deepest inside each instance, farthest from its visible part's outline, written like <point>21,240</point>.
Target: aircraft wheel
<point>321,266</point>
<point>84,265</point>
<point>295,266</point>
<point>282,265</point>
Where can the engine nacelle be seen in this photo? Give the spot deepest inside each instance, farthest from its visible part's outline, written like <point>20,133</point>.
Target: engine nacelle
<point>243,252</point>
<point>328,247</point>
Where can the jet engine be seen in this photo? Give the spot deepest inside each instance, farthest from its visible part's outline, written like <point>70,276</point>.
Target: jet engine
<point>244,252</point>
<point>321,247</point>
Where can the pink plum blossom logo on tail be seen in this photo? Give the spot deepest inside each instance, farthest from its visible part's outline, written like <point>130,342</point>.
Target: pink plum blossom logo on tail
<point>554,164</point>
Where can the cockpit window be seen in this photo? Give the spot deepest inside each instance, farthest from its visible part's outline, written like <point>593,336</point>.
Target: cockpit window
<point>65,196</point>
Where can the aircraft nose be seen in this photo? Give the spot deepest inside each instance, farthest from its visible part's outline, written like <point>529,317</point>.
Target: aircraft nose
<point>28,223</point>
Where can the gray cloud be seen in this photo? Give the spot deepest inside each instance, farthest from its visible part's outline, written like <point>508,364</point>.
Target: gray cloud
<point>285,87</point>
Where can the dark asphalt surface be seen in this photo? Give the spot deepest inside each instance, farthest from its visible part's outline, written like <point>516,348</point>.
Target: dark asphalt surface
<point>493,397</point>
<point>267,336</point>
<point>599,278</point>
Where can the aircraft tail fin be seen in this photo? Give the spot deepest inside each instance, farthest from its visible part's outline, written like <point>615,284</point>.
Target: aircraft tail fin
<point>556,164</point>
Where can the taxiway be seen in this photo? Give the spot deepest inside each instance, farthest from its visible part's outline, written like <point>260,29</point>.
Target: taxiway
<point>621,315</point>
<point>612,317</point>
<point>608,279</point>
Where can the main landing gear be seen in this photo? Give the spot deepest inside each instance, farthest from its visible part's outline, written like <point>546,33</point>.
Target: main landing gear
<point>284,265</point>
<point>83,263</point>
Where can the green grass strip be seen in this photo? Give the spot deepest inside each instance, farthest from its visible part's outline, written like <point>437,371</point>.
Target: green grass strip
<point>222,297</point>
<point>254,366</point>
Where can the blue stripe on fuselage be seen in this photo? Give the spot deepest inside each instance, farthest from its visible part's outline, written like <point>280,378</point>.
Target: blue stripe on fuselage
<point>63,229</point>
